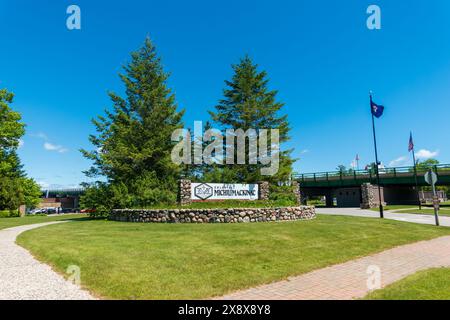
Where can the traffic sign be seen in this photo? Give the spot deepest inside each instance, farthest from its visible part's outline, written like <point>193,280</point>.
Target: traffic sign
<point>431,178</point>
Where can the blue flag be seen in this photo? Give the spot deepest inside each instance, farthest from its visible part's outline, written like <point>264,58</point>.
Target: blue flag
<point>377,110</point>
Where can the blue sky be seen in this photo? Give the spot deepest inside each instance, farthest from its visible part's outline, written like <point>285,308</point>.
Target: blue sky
<point>318,54</point>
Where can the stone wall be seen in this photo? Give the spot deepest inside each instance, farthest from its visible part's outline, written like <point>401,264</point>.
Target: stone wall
<point>184,192</point>
<point>264,190</point>
<point>297,192</point>
<point>239,215</point>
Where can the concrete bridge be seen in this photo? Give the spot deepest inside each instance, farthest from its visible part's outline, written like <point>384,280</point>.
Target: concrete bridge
<point>357,187</point>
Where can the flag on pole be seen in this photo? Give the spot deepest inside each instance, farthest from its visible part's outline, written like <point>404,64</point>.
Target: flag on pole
<point>411,143</point>
<point>377,110</point>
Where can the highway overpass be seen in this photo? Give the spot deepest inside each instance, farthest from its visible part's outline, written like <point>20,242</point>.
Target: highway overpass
<point>345,187</point>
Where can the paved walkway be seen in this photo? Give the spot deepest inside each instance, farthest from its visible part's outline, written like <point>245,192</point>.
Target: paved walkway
<point>350,280</point>
<point>24,278</point>
<point>407,217</point>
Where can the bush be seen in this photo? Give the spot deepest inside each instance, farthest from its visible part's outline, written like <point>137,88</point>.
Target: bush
<point>9,214</point>
<point>283,194</point>
<point>103,197</point>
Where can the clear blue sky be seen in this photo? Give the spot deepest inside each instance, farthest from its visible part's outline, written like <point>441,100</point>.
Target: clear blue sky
<point>318,54</point>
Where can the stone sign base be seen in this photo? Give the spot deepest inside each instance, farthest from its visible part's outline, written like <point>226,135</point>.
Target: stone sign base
<point>239,215</point>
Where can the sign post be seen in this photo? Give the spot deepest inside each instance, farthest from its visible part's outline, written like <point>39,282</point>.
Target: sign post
<point>431,178</point>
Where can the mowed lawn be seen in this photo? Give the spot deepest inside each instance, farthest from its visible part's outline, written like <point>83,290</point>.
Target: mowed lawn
<point>442,212</point>
<point>431,284</point>
<point>396,207</point>
<point>188,261</point>
<point>15,222</point>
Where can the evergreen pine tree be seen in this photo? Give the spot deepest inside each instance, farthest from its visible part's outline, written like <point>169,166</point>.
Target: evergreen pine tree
<point>249,104</point>
<point>133,144</point>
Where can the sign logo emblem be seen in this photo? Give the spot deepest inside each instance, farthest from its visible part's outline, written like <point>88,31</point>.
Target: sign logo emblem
<point>203,191</point>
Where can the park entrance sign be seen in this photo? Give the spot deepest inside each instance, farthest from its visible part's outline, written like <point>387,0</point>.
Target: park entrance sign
<point>224,191</point>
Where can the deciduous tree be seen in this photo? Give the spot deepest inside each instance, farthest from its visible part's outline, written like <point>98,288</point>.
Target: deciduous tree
<point>15,188</point>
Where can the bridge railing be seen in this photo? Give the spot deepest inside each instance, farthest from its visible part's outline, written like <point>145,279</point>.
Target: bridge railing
<point>62,191</point>
<point>441,169</point>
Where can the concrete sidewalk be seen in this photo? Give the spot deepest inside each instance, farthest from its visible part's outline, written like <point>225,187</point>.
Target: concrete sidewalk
<point>407,217</point>
<point>24,278</point>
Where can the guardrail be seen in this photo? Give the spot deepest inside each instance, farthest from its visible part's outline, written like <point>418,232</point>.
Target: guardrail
<point>441,169</point>
<point>73,191</point>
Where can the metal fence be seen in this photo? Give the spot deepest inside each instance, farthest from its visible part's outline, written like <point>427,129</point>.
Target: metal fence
<point>370,174</point>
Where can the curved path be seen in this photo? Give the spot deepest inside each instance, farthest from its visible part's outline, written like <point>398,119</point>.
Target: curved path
<point>352,279</point>
<point>22,277</point>
<point>394,215</point>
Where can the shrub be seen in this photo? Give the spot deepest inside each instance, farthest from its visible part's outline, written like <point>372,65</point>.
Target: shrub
<point>9,214</point>
<point>103,197</point>
<point>283,194</point>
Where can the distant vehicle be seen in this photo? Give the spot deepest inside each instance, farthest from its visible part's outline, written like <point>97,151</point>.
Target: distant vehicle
<point>87,211</point>
<point>51,211</point>
<point>37,211</point>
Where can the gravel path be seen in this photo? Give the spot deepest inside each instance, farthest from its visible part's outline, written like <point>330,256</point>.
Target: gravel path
<point>22,277</point>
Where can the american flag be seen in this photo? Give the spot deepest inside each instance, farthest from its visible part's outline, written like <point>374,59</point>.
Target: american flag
<point>411,143</point>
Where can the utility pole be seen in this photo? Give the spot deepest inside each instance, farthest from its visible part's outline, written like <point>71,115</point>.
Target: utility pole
<point>377,171</point>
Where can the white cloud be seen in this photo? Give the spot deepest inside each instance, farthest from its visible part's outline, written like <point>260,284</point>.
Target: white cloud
<point>400,161</point>
<point>21,143</point>
<point>52,147</point>
<point>424,154</point>
<point>40,135</point>
<point>304,151</point>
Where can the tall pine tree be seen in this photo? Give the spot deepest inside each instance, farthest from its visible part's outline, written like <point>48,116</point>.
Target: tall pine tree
<point>133,144</point>
<point>248,103</point>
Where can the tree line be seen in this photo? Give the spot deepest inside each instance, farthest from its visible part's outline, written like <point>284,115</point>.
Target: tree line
<point>132,146</point>
<point>131,158</point>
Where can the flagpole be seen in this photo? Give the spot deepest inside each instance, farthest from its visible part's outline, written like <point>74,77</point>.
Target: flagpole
<point>415,175</point>
<point>376,158</point>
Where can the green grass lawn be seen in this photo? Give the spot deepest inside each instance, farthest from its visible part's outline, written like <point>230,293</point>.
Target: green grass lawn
<point>431,284</point>
<point>190,261</point>
<point>442,212</point>
<point>395,207</point>
<point>14,222</point>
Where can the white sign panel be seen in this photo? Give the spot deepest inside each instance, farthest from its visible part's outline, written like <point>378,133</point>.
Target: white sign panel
<point>431,178</point>
<point>224,191</point>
